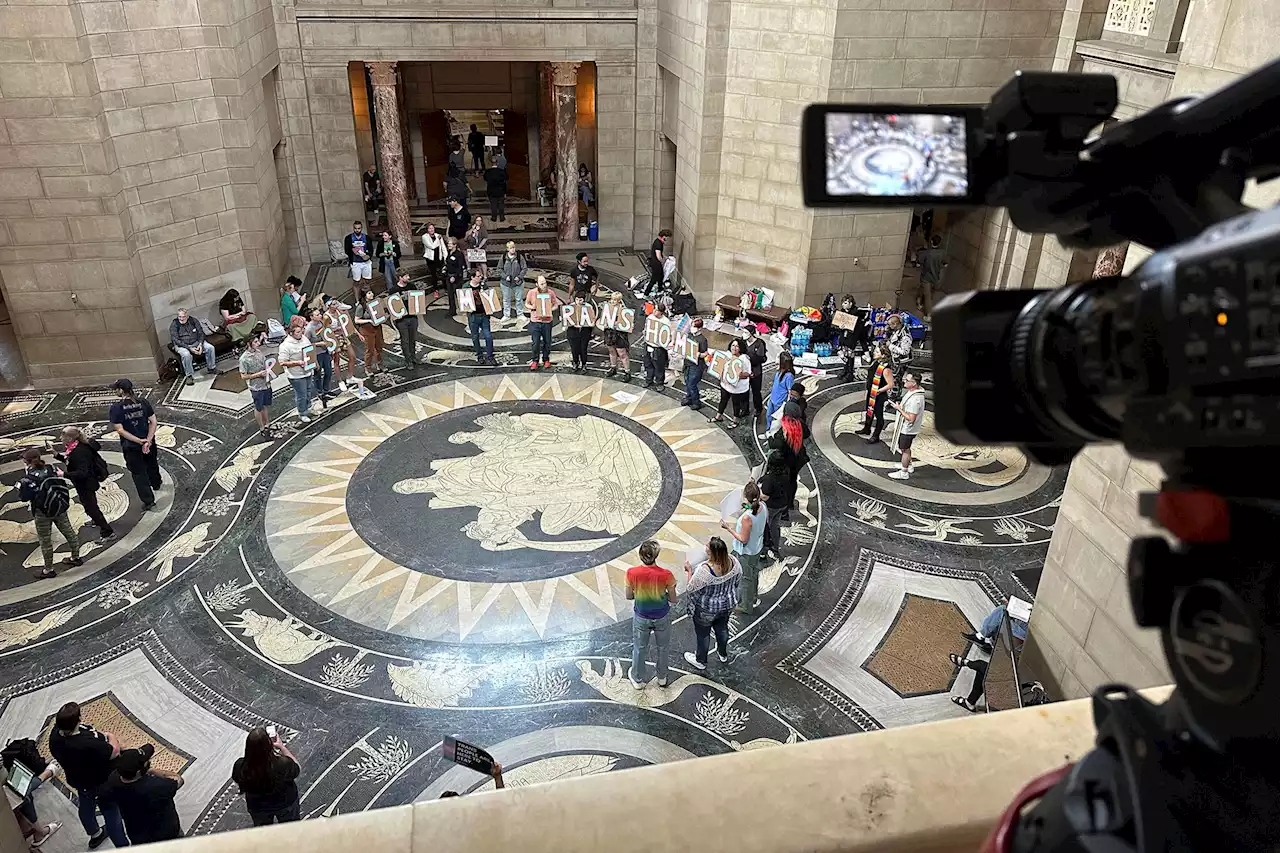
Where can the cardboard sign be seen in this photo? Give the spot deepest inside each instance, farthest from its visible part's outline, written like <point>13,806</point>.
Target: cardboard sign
<point>330,339</point>
<point>377,311</point>
<point>669,335</point>
<point>309,357</point>
<point>544,301</point>
<point>616,317</point>
<point>417,302</point>
<point>396,306</point>
<point>272,361</point>
<point>468,755</point>
<point>345,323</point>
<point>466,300</point>
<point>490,302</point>
<point>843,320</point>
<point>579,316</point>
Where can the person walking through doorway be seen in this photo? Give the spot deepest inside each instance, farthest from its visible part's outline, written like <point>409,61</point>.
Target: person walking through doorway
<point>475,144</point>
<point>135,422</point>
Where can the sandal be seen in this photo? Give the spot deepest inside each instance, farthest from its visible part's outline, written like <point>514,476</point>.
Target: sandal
<point>963,703</point>
<point>956,660</point>
<point>717,419</point>
<point>733,424</point>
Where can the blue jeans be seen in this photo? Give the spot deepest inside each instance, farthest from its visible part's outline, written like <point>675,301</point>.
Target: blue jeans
<point>692,376</point>
<point>188,360</point>
<point>703,624</point>
<point>991,625</point>
<point>541,333</point>
<point>389,271</point>
<point>87,807</point>
<point>510,300</point>
<point>640,629</point>
<point>302,389</point>
<point>323,375</point>
<point>479,326</point>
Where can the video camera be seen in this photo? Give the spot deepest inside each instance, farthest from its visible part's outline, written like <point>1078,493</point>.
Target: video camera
<point>1179,360</point>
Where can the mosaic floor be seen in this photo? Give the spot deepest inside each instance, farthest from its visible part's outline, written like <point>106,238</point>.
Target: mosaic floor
<point>448,558</point>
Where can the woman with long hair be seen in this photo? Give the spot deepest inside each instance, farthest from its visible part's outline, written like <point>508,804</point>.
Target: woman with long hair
<point>291,300</point>
<point>748,531</point>
<point>618,343</point>
<point>478,238</point>
<point>735,383</point>
<point>879,384</point>
<point>236,319</point>
<point>714,591</point>
<point>267,776</point>
<point>782,382</point>
<point>371,333</point>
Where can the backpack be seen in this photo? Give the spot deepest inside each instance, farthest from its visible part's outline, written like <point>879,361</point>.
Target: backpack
<point>99,467</point>
<point>53,496</point>
<point>26,751</point>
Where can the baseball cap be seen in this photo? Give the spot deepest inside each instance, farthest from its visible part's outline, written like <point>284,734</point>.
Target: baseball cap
<point>123,384</point>
<point>131,762</point>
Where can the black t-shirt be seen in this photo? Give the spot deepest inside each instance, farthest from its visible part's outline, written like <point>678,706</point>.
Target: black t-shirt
<point>278,791</point>
<point>370,182</point>
<point>583,279</point>
<point>758,352</point>
<point>654,251</point>
<point>475,141</point>
<point>146,806</point>
<point>231,303</point>
<point>496,182</point>
<point>475,295</point>
<point>776,485</point>
<point>133,415</point>
<point>85,756</point>
<point>458,222</point>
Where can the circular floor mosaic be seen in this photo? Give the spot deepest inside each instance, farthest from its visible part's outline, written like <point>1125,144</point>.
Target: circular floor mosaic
<point>445,510</point>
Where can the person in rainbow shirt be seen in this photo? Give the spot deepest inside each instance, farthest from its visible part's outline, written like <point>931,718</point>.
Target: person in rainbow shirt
<point>653,589</point>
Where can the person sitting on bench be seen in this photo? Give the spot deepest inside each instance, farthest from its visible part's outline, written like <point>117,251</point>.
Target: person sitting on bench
<point>187,338</point>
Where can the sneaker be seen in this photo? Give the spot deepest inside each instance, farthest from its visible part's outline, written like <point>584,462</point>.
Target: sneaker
<point>342,386</point>
<point>648,383</point>
<point>148,507</point>
<point>304,419</point>
<point>546,364</point>
<point>533,365</point>
<point>638,685</point>
<point>662,682</point>
<point>692,659</point>
<point>96,840</point>
<point>109,536</point>
<point>613,371</point>
<point>191,380</point>
<point>723,658</point>
<point>625,376</point>
<point>900,474</point>
<point>911,469</point>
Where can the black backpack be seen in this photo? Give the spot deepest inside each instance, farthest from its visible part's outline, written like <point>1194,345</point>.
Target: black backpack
<point>26,751</point>
<point>53,496</point>
<point>99,466</point>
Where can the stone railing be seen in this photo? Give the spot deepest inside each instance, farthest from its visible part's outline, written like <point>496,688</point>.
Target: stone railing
<point>934,787</point>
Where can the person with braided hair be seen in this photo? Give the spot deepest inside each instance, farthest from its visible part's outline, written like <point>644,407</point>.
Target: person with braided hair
<point>879,384</point>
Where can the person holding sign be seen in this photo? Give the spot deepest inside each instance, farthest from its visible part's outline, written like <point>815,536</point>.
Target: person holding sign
<point>478,320</point>
<point>338,326</point>
<point>735,379</point>
<point>693,368</point>
<point>298,367</point>
<point>477,241</point>
<point>579,324</point>
<point>618,343</point>
<point>407,323</point>
<point>655,357</point>
<point>714,591</point>
<point>253,370</point>
<point>455,274</point>
<point>542,304</point>
<point>369,320</point>
<point>323,376</point>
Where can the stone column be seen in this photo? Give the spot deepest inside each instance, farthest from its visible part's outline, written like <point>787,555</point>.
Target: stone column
<point>546,120</point>
<point>565,77</point>
<point>386,111</point>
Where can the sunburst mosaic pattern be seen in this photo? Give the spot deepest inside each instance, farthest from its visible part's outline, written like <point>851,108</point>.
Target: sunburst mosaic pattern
<point>311,533</point>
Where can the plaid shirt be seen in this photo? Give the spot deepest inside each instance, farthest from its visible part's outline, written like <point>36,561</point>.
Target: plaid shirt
<point>714,594</point>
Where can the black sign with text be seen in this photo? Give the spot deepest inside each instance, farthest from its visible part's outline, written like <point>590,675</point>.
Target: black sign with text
<point>468,755</point>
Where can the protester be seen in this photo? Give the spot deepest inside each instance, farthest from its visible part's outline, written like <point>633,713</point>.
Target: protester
<point>388,254</point>
<point>49,494</point>
<point>344,354</point>
<point>897,343</point>
<point>267,776</point>
<point>655,357</point>
<point>511,272</point>
<point>585,277</point>
<point>86,469</point>
<point>656,262</point>
<point>293,360</point>
<point>748,531</point>
<point>618,343</point>
<point>135,422</point>
<point>370,333</point>
<point>236,319</point>
<point>187,337</point>
<point>478,322</point>
<point>86,756</point>
<point>775,491</point>
<point>359,255</point>
<point>406,326</point>
<point>579,337</point>
<point>253,370</point>
<point>455,274</point>
<point>543,304</point>
<point>434,250</point>
<point>910,419</point>
<point>144,797</point>
<point>478,240</point>
<point>291,299</point>
<point>475,144</point>
<point>758,352</point>
<point>459,218</point>
<point>782,382</point>
<point>787,445</point>
<point>322,376</point>
<point>735,380</point>
<point>879,385</point>
<point>714,591</point>
<point>693,370</point>
<point>653,589</point>
<point>495,183</point>
<point>932,262</point>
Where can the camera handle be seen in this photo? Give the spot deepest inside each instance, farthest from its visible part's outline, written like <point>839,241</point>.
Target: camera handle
<point>1200,771</point>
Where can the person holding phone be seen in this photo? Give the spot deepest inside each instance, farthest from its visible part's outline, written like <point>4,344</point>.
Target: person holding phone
<point>267,776</point>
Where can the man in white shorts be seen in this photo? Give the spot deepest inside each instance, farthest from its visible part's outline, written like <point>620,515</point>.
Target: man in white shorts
<point>359,253</point>
<point>910,419</point>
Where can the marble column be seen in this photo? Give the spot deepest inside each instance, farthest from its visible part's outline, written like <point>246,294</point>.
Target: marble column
<point>386,112</point>
<point>1110,261</point>
<point>565,77</point>
<point>546,121</point>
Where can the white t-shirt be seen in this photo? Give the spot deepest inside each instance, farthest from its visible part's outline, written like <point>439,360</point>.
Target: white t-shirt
<point>291,350</point>
<point>913,402</point>
<point>740,367</point>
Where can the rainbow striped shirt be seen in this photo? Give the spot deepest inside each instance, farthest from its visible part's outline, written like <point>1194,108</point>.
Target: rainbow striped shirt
<point>649,586</point>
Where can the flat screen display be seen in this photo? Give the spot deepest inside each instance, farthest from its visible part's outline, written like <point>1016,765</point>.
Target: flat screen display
<point>896,154</point>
